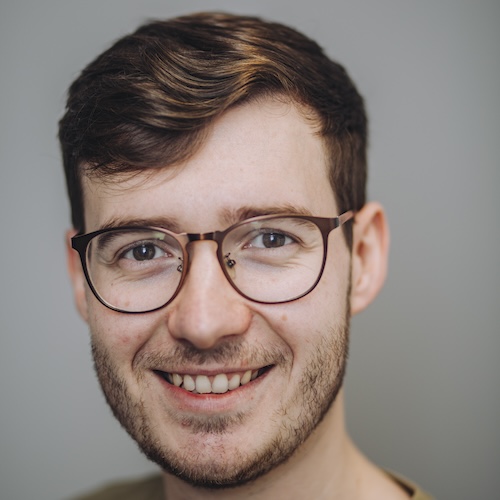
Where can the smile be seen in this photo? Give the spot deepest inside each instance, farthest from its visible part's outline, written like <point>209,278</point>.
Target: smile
<point>214,384</point>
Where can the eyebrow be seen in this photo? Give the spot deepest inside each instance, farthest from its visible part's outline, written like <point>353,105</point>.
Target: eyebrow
<point>228,217</point>
<point>233,216</point>
<point>160,222</point>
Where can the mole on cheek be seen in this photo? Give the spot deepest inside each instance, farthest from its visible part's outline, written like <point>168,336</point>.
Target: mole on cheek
<point>284,317</point>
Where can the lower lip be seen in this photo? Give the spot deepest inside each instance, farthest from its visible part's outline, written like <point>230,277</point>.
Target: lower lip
<point>213,403</point>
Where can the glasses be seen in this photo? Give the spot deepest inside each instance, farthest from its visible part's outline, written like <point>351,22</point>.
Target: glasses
<point>269,259</point>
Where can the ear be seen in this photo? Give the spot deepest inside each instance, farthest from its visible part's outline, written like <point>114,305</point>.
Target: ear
<point>77,276</point>
<point>369,255</point>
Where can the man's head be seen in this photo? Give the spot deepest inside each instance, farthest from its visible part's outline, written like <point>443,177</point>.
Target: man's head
<point>148,101</point>
<point>193,126</point>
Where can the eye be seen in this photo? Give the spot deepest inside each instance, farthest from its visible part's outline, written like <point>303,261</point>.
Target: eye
<point>271,239</point>
<point>144,251</point>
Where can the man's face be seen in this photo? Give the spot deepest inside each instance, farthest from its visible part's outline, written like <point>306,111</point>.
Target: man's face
<point>262,157</point>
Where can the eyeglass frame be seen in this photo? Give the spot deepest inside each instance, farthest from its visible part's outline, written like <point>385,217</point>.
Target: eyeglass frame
<point>326,225</point>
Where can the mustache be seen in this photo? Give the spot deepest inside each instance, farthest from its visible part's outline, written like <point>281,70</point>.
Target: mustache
<point>229,352</point>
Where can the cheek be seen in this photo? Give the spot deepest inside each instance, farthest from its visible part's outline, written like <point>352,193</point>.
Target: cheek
<point>335,285</point>
<point>122,335</point>
<point>299,324</point>
<point>302,323</point>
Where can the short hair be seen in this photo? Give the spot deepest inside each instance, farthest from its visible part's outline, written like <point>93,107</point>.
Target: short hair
<point>147,101</point>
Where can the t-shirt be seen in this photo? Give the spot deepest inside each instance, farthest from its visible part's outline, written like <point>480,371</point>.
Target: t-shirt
<point>412,489</point>
<point>151,488</point>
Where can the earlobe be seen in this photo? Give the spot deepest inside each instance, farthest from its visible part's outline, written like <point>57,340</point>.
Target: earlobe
<point>369,255</point>
<point>77,277</point>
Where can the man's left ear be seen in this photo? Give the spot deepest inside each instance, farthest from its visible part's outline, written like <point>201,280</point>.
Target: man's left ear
<point>370,252</point>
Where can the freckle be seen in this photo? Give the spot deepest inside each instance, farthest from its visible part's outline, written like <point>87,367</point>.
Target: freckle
<point>284,317</point>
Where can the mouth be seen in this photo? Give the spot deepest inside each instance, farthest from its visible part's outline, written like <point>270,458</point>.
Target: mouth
<point>219,383</point>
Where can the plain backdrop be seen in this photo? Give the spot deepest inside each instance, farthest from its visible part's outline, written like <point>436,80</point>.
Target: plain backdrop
<point>423,377</point>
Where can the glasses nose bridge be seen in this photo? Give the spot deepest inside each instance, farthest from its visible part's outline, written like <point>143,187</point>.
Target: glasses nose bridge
<point>215,236</point>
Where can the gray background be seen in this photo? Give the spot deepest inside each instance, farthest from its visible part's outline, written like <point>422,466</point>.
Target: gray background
<point>422,389</point>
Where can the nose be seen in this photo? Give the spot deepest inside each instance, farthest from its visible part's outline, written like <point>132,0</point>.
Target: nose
<point>207,308</point>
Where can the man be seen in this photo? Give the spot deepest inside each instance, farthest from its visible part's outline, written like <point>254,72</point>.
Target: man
<point>216,169</point>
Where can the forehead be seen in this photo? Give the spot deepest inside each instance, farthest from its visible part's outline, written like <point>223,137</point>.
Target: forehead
<point>265,155</point>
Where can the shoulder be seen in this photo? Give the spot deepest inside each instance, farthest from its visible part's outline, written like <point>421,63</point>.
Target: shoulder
<point>411,488</point>
<point>150,488</point>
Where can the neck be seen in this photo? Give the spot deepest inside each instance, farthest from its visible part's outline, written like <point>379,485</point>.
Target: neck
<point>327,465</point>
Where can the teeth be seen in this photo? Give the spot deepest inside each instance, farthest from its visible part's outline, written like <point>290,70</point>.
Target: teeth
<point>234,382</point>
<point>220,384</point>
<point>203,385</point>
<point>246,377</point>
<point>188,383</point>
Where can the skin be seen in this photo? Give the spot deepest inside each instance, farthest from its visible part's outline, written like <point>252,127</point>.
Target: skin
<point>286,427</point>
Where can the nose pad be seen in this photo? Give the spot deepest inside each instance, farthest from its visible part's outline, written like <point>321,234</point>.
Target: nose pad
<point>207,308</point>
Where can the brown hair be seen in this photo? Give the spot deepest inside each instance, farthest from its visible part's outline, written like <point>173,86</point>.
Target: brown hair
<point>147,100</point>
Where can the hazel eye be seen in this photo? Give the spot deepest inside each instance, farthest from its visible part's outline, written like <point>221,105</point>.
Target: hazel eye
<point>143,252</point>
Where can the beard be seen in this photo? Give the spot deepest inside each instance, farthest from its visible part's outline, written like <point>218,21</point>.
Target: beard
<point>296,419</point>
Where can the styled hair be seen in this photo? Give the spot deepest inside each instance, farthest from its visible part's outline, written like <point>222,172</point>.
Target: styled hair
<point>147,101</point>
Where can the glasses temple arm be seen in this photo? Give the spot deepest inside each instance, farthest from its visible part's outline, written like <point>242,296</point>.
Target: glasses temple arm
<point>346,216</point>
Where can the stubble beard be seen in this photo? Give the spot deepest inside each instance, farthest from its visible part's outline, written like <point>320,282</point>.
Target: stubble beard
<point>314,395</point>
